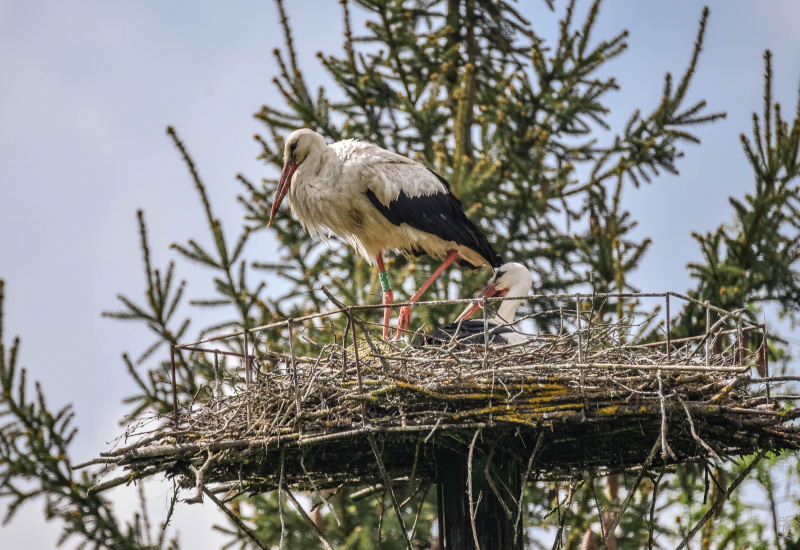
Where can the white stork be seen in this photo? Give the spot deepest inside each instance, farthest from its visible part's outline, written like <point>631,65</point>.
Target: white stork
<point>378,200</point>
<point>512,279</point>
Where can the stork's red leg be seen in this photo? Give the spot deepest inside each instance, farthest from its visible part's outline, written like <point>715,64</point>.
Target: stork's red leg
<point>388,296</point>
<point>405,312</point>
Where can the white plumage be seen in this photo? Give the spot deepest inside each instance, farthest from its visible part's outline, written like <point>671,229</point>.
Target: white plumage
<point>378,200</point>
<point>329,193</point>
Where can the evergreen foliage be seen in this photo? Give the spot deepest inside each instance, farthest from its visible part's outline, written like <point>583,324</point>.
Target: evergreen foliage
<point>35,465</point>
<point>754,260</point>
<point>469,89</point>
<point>518,126</point>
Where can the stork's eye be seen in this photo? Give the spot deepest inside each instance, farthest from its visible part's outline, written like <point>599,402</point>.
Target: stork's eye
<point>292,147</point>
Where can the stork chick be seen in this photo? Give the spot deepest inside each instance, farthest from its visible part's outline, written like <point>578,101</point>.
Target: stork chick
<point>512,279</point>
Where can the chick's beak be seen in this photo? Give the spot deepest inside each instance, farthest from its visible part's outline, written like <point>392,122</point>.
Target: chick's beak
<point>283,187</point>
<point>489,292</point>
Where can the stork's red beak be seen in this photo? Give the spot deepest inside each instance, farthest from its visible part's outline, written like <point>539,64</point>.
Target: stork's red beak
<point>489,292</point>
<point>283,187</point>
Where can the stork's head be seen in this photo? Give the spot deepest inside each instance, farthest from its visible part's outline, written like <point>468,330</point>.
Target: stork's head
<point>510,279</point>
<point>299,146</point>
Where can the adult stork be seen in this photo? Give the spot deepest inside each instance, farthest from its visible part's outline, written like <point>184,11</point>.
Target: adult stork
<point>378,200</point>
<point>512,279</point>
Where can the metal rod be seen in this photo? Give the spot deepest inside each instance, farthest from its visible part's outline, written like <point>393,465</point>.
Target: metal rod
<point>294,369</point>
<point>174,385</point>
<point>344,350</point>
<point>706,304</point>
<point>247,371</point>
<point>580,348</point>
<point>216,374</point>
<point>246,358</point>
<point>578,321</point>
<point>527,298</point>
<point>358,366</point>
<point>766,360</point>
<point>669,329</point>
<point>739,337</point>
<point>269,356</point>
<point>609,366</point>
<point>208,350</point>
<point>688,338</point>
<point>708,326</point>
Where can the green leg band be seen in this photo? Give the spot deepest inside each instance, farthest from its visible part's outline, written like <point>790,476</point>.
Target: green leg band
<point>384,277</point>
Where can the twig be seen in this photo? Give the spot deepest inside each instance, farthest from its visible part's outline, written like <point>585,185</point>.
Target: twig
<point>562,518</point>
<point>93,462</point>
<point>603,525</point>
<point>664,445</point>
<point>388,484</point>
<point>490,481</point>
<point>314,486</point>
<point>117,481</point>
<point>520,503</point>
<point>171,509</point>
<point>473,508</point>
<point>382,502</point>
<point>309,521</point>
<point>199,474</point>
<point>438,421</point>
<point>235,519</point>
<point>361,494</point>
<point>632,490</point>
<point>280,503</point>
<point>712,508</point>
<point>652,523</point>
<point>419,510</point>
<point>694,433</point>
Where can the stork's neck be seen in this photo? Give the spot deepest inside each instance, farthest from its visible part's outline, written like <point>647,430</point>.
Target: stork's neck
<point>508,308</point>
<point>316,194</point>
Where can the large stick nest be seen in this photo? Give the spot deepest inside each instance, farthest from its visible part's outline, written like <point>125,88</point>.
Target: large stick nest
<point>585,400</point>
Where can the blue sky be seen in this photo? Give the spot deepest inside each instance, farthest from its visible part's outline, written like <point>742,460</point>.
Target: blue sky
<point>89,87</point>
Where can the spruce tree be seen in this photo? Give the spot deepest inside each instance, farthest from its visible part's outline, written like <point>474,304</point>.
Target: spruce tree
<point>468,88</point>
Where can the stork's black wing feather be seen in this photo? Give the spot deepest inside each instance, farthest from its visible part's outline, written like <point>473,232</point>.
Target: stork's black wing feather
<point>470,333</point>
<point>440,214</point>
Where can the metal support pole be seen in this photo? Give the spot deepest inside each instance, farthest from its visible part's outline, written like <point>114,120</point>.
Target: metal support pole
<point>174,385</point>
